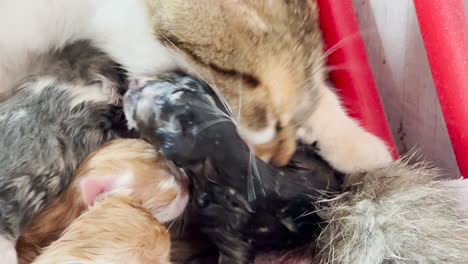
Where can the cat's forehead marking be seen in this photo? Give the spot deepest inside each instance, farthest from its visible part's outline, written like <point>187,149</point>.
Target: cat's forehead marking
<point>188,48</point>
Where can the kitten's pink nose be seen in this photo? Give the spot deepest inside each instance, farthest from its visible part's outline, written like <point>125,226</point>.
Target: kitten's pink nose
<point>135,84</point>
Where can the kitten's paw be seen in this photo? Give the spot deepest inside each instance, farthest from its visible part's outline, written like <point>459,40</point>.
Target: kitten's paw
<point>7,251</point>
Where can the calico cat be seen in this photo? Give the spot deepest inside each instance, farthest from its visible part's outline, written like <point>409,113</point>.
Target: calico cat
<point>265,57</point>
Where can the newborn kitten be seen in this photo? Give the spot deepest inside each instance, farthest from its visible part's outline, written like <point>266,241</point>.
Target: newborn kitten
<point>119,164</point>
<point>265,57</point>
<point>116,230</point>
<point>48,126</point>
<point>244,205</point>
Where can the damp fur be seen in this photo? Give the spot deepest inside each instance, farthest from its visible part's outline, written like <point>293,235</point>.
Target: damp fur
<point>118,165</point>
<point>53,120</point>
<point>400,214</point>
<point>117,229</point>
<point>269,63</point>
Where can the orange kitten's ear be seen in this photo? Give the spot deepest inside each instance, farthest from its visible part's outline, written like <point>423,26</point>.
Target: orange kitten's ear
<point>94,187</point>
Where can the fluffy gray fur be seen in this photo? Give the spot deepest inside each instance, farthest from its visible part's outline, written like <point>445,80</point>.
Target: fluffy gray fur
<point>398,214</point>
<point>49,125</point>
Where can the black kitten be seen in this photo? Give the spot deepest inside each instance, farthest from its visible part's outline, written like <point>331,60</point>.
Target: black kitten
<point>243,204</point>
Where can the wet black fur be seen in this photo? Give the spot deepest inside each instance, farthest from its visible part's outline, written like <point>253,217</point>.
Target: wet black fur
<point>243,204</point>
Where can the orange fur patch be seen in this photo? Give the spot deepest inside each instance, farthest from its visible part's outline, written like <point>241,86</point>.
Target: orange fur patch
<point>116,229</point>
<point>152,184</point>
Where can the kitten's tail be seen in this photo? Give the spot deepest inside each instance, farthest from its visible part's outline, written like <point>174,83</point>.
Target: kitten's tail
<point>398,214</point>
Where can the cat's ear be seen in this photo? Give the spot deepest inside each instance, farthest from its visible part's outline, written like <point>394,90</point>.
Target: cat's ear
<point>95,187</point>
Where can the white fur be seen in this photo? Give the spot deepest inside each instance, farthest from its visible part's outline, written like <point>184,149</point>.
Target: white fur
<point>100,91</point>
<point>174,209</point>
<point>459,189</point>
<point>28,28</point>
<point>124,181</point>
<point>38,86</point>
<point>120,28</point>
<point>103,91</point>
<point>177,206</point>
<point>399,214</point>
<point>341,141</point>
<point>258,137</point>
<point>123,30</point>
<point>7,251</point>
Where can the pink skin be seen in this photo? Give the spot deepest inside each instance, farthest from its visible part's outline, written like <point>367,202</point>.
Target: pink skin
<point>93,187</point>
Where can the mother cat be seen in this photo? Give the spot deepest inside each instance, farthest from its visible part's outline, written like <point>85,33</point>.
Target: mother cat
<point>266,58</point>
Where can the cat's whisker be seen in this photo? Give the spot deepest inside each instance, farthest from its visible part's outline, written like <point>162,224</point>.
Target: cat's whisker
<point>215,111</point>
<point>222,99</point>
<point>253,172</point>
<point>170,226</point>
<point>339,44</point>
<point>239,107</point>
<point>251,195</point>
<point>218,93</point>
<point>210,123</point>
<point>336,68</point>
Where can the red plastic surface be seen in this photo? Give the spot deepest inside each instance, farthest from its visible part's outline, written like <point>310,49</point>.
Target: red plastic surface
<point>444,29</point>
<point>354,80</point>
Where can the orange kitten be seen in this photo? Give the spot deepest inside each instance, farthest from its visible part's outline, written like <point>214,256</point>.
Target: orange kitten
<point>117,229</point>
<point>120,164</point>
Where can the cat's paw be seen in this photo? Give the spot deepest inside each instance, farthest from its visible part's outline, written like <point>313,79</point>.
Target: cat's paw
<point>349,150</point>
<point>340,140</point>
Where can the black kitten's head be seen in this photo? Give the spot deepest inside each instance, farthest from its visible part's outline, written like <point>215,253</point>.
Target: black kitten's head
<point>172,103</point>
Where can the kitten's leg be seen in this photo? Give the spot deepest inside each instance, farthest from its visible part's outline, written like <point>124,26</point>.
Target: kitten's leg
<point>341,140</point>
<point>7,251</point>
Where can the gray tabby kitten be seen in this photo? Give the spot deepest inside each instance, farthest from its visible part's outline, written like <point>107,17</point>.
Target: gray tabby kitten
<point>52,121</point>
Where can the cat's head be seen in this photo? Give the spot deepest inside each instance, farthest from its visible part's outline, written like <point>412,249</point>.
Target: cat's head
<point>265,56</point>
